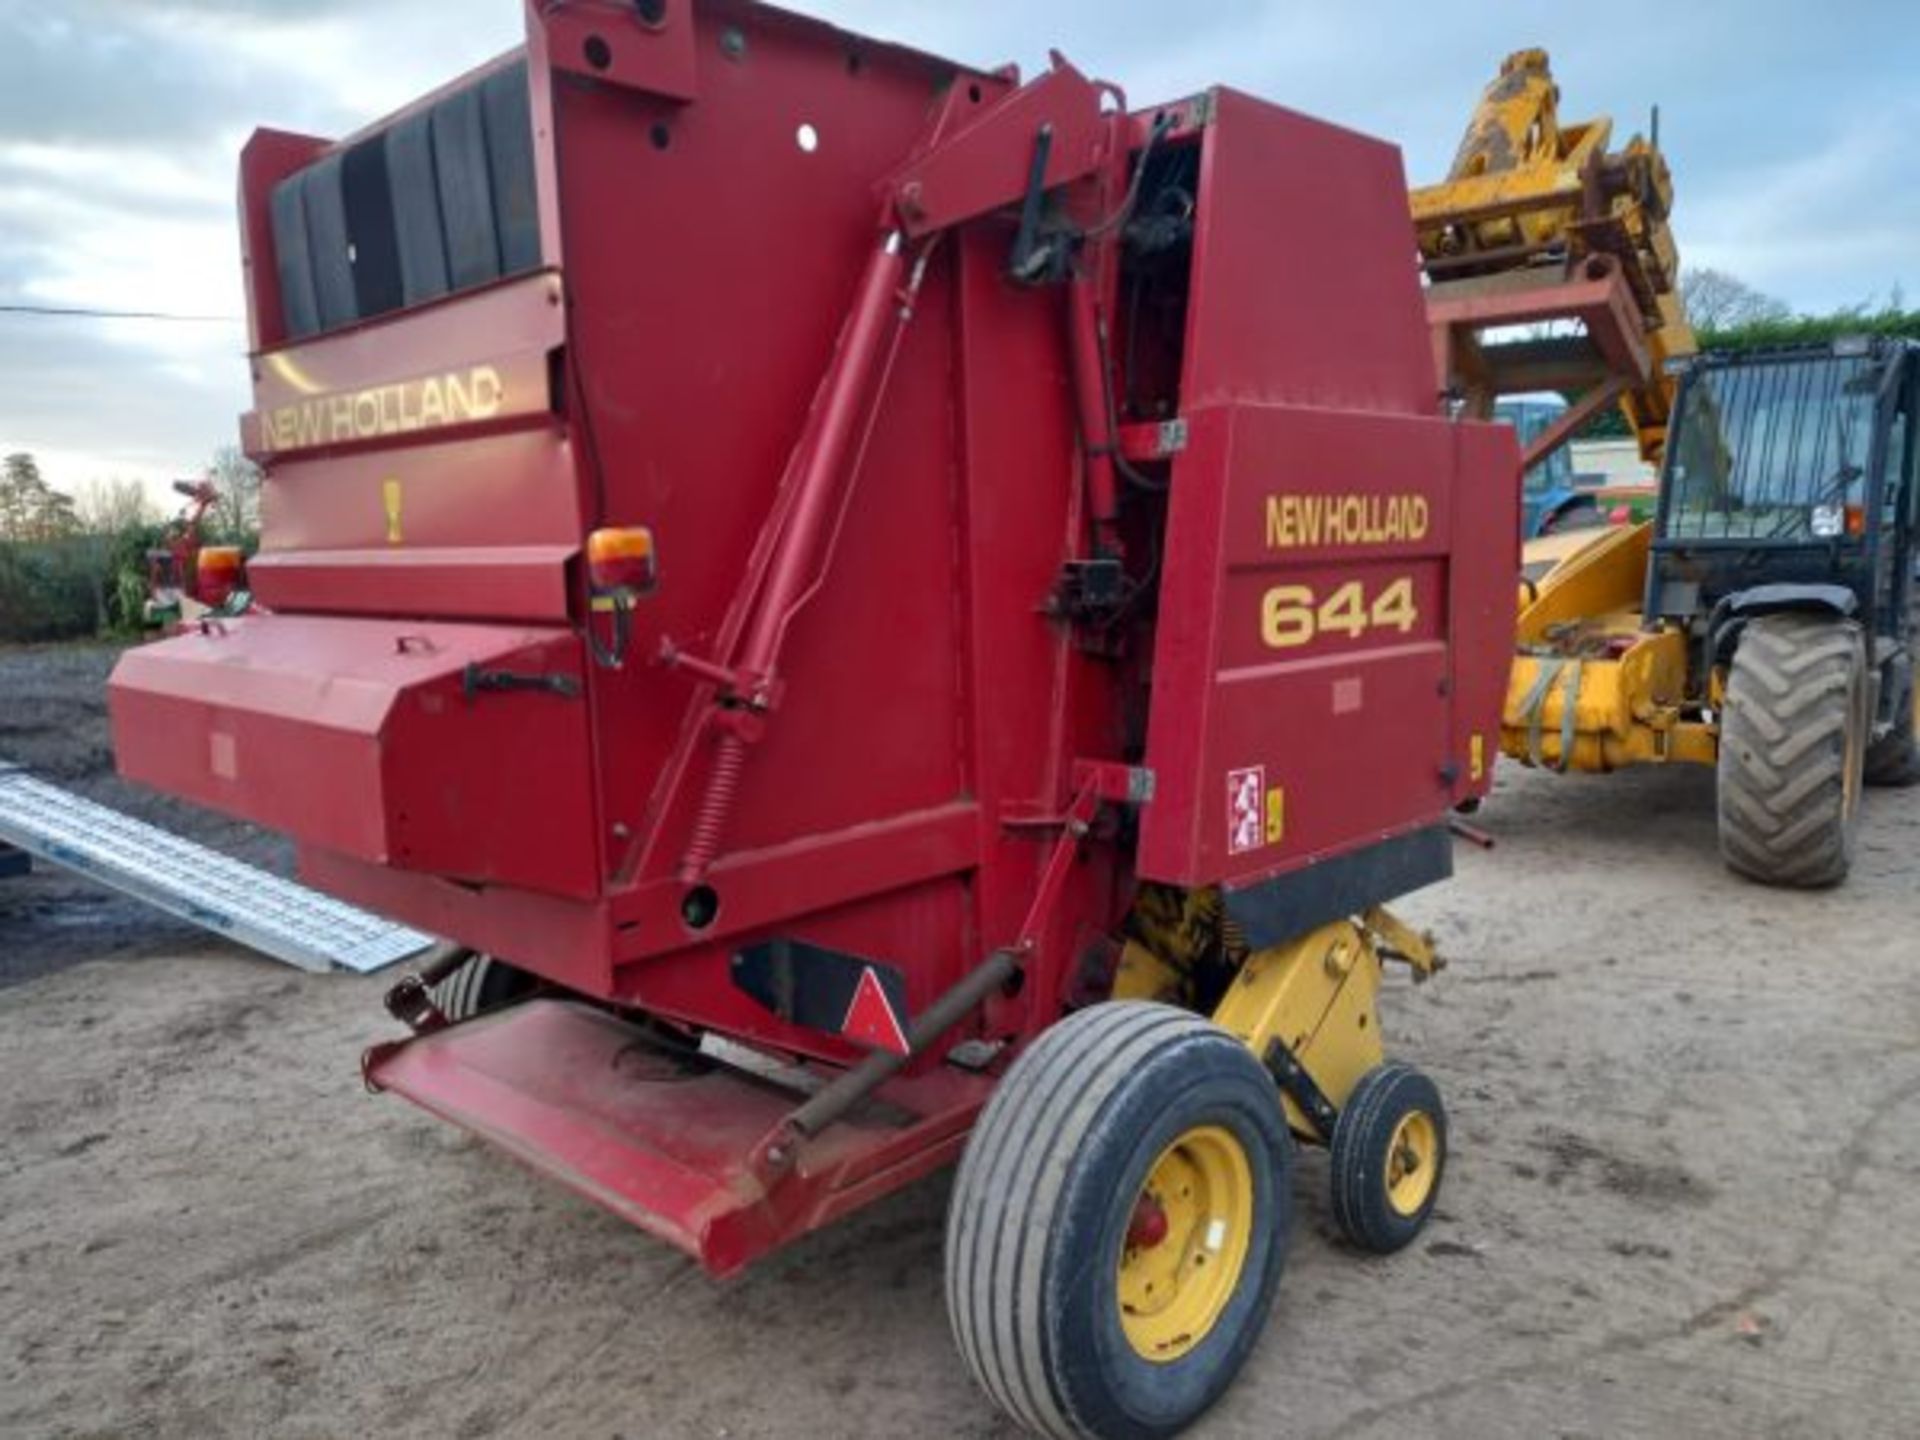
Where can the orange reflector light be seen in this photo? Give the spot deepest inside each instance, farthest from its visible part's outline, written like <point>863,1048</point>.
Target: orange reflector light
<point>1856,519</point>
<point>621,558</point>
<point>217,572</point>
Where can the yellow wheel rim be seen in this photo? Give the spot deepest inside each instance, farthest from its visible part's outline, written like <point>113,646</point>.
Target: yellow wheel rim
<point>1413,1162</point>
<point>1191,1229</point>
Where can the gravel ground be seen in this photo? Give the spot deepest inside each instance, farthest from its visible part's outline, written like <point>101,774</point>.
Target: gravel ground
<point>1684,1198</point>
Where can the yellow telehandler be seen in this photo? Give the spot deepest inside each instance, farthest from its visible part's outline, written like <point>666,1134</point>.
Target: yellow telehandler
<point>1762,621</point>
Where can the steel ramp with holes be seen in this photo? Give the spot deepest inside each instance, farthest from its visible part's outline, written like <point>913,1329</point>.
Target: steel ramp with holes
<point>217,892</point>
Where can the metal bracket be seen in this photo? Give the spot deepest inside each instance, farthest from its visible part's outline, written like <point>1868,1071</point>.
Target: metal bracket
<point>1033,260</point>
<point>410,1002</point>
<point>1113,782</point>
<point>1152,440</point>
<point>1398,940</point>
<point>1292,1077</point>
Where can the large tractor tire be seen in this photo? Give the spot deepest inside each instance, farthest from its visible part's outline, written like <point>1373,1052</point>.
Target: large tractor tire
<point>1119,1223</point>
<point>1793,740</point>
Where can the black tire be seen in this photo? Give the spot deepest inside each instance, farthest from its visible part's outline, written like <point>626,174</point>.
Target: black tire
<point>1045,1199</point>
<point>1582,514</point>
<point>480,985</point>
<point>1894,759</point>
<point>1792,750</point>
<point>1371,1201</point>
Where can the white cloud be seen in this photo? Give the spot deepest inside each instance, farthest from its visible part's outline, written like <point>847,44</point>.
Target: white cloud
<point>120,122</point>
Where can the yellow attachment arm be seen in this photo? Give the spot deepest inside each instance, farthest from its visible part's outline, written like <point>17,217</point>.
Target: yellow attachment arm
<point>1527,188</point>
<point>1398,940</point>
<point>1516,177</point>
<point>1316,998</point>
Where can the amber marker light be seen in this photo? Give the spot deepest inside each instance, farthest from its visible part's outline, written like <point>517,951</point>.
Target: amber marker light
<point>622,559</point>
<point>217,574</point>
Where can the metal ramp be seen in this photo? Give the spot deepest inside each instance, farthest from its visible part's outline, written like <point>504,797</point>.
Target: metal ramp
<point>258,909</point>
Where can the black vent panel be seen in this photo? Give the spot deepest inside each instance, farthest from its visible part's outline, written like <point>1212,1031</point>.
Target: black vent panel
<point>438,202</point>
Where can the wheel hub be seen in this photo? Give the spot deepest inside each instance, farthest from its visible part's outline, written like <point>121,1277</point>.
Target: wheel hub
<point>1149,1225</point>
<point>1186,1243</point>
<point>1411,1157</point>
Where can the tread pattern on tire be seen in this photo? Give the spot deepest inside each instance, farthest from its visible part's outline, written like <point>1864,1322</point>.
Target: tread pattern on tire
<point>1359,1188</point>
<point>1000,1218</point>
<point>462,994</point>
<point>1793,695</point>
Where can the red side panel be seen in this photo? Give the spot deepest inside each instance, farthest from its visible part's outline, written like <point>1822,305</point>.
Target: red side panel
<point>365,737</point>
<point>1335,607</point>
<point>1336,535</point>
<point>503,582</point>
<point>1305,288</point>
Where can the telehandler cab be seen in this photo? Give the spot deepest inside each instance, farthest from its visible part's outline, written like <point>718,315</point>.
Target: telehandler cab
<point>1763,621</point>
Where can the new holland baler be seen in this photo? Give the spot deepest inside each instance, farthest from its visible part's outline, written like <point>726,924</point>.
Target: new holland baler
<point>900,616</point>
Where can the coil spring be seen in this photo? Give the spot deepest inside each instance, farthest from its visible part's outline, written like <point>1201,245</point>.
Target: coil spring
<point>723,784</point>
<point>1233,940</point>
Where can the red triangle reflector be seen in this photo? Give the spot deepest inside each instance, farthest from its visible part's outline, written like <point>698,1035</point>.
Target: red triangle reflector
<point>870,1018</point>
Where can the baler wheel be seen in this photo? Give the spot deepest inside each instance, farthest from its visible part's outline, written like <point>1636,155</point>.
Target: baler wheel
<point>480,985</point>
<point>1389,1153</point>
<point>1793,742</point>
<point>1119,1223</point>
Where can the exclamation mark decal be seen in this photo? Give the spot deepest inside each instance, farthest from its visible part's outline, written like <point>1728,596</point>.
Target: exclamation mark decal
<point>390,496</point>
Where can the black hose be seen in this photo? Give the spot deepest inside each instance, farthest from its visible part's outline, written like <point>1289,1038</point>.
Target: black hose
<point>616,656</point>
<point>1125,209</point>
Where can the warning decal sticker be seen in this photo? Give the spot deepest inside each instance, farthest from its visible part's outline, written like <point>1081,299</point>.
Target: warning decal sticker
<point>870,1018</point>
<point>1245,828</point>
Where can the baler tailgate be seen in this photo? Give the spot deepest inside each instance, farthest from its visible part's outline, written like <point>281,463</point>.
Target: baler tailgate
<point>662,1140</point>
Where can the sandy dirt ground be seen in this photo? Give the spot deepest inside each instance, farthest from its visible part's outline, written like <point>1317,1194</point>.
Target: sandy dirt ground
<point>1684,1196</point>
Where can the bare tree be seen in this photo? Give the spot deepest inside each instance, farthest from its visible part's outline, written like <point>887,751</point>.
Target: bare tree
<point>111,507</point>
<point>108,512</point>
<point>237,479</point>
<point>1716,300</point>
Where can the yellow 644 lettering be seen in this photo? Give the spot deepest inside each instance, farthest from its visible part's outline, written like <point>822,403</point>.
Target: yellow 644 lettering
<point>1294,614</point>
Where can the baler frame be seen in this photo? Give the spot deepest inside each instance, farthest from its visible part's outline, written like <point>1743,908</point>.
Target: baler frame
<point>1148,597</point>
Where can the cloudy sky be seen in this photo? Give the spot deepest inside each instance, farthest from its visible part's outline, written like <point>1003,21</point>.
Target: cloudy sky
<point>1790,126</point>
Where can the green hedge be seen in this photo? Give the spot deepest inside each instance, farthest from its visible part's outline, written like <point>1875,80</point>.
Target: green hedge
<point>1611,423</point>
<point>76,587</point>
<point>1814,329</point>
<point>47,591</point>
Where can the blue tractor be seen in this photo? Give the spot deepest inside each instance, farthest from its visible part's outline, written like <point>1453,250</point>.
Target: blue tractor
<point>1549,499</point>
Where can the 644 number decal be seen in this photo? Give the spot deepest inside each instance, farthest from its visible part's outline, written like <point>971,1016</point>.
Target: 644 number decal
<point>1293,615</point>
